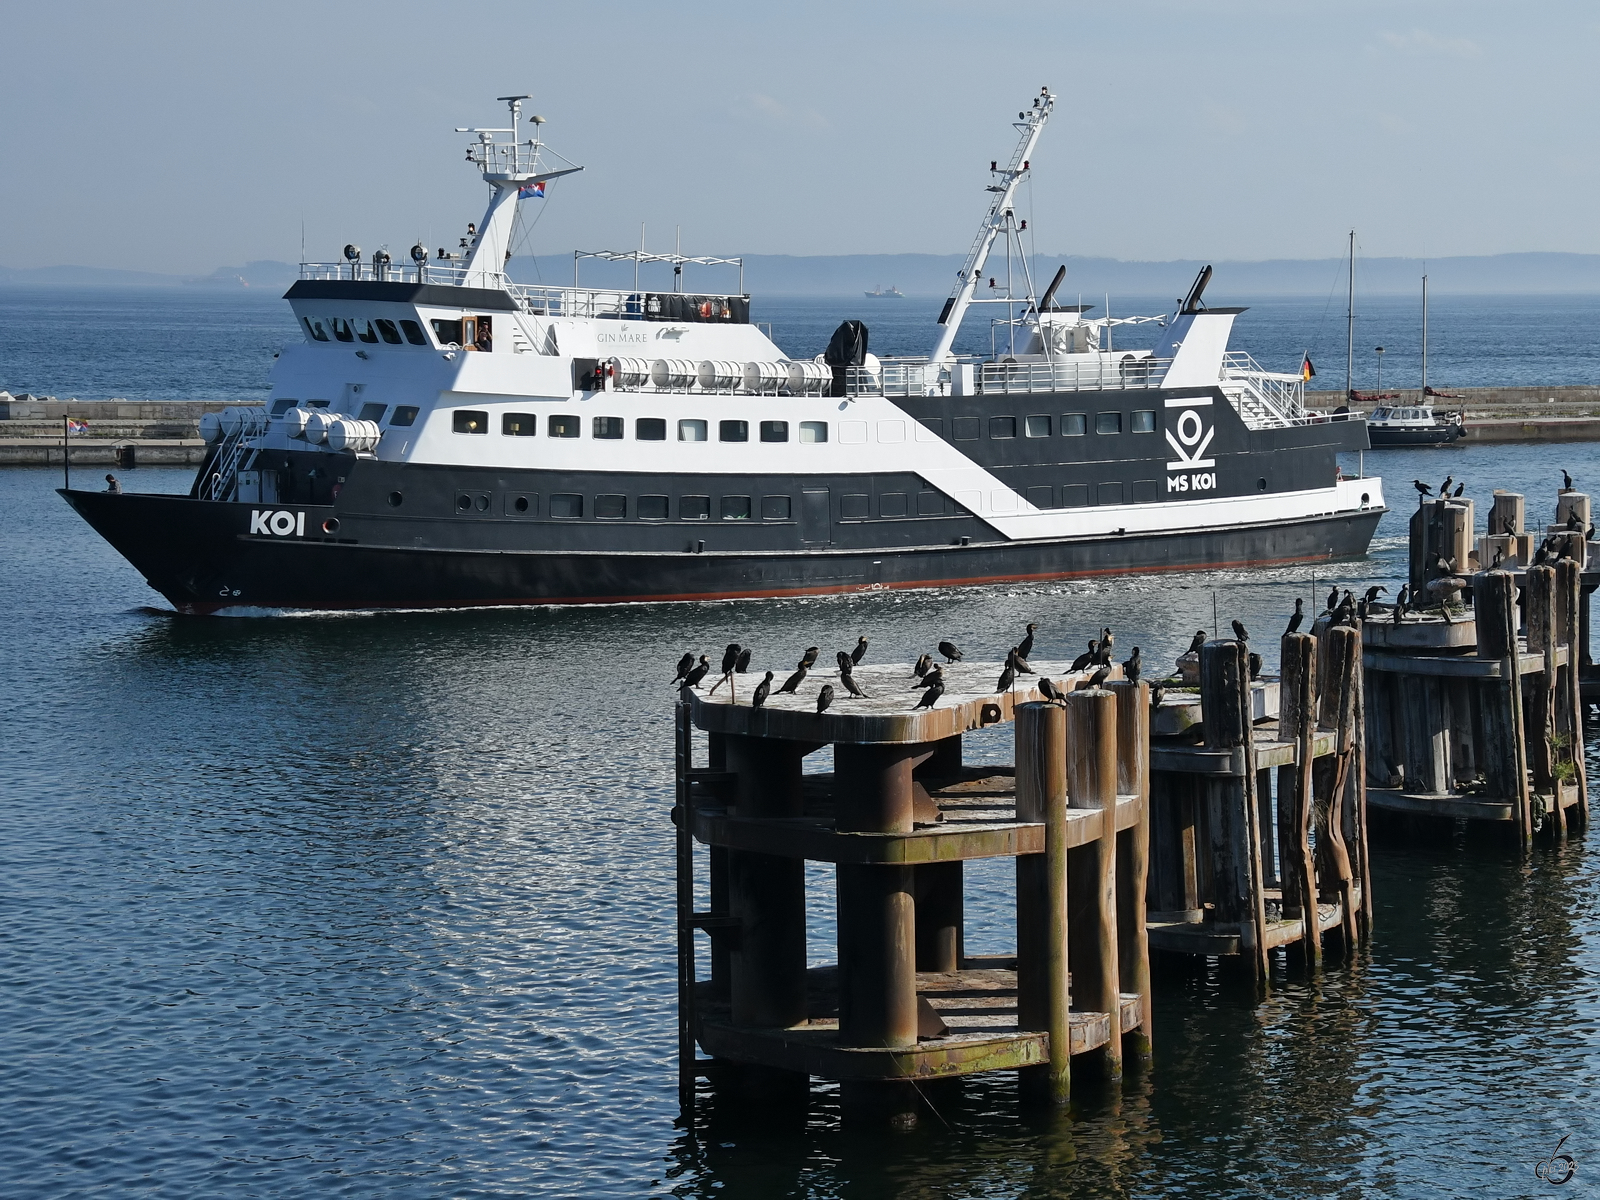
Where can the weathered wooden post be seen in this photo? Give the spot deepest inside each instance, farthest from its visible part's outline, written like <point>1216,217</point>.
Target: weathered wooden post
<point>1133,860</point>
<point>1505,759</point>
<point>1539,691</point>
<point>1230,800</point>
<point>1338,877</point>
<point>1091,867</point>
<point>1297,723</point>
<point>1042,940</point>
<point>1573,632</point>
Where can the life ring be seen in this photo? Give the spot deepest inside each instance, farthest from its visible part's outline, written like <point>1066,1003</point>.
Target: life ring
<point>705,308</point>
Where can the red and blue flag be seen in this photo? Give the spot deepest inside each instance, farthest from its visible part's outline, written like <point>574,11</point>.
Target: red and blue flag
<point>531,191</point>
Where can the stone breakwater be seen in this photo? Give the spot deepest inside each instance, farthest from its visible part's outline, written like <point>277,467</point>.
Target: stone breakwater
<point>106,432</point>
<point>1502,414</point>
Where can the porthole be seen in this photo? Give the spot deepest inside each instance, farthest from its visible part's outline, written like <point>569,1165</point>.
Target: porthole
<point>331,525</point>
<point>396,499</point>
<point>463,502</point>
<point>520,504</point>
<point>1261,485</point>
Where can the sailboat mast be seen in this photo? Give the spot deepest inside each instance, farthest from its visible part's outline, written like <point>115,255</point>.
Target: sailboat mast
<point>1350,324</point>
<point>1424,398</point>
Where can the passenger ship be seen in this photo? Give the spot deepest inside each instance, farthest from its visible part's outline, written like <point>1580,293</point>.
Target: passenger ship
<point>442,436</point>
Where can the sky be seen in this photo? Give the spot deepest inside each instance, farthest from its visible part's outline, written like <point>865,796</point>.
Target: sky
<point>181,137</point>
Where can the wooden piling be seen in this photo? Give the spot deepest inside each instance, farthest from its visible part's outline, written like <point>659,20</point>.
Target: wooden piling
<point>1494,605</point>
<point>1091,868</point>
<point>1573,631</point>
<point>1133,862</point>
<point>1338,876</point>
<point>1043,963</point>
<point>1297,722</point>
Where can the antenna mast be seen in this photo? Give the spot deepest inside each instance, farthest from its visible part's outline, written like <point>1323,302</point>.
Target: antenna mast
<point>1423,399</point>
<point>1350,324</point>
<point>1029,123</point>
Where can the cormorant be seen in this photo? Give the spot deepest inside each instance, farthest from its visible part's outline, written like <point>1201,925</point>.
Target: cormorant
<point>1239,631</point>
<point>951,652</point>
<point>1131,666</point>
<point>684,664</point>
<point>1374,592</point>
<point>860,651</point>
<point>794,680</point>
<point>762,689</point>
<point>825,697</point>
<point>1566,480</point>
<point>1198,640</point>
<point>850,684</point>
<point>1102,654</point>
<point>1255,665</point>
<point>1333,598</point>
<point>1156,693</point>
<point>1016,660</point>
<point>1025,647</point>
<point>1422,488</point>
<point>923,664</point>
<point>730,658</point>
<point>1008,679</point>
<point>1460,487</point>
<point>931,696</point>
<point>1048,689</point>
<point>693,678</point>
<point>935,676</point>
<point>810,657</point>
<point>1298,617</point>
<point>742,663</point>
<point>1087,657</point>
<point>846,663</point>
<point>1101,674</point>
<point>1444,488</point>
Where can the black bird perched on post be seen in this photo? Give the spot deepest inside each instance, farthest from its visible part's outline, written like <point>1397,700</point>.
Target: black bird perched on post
<point>1400,605</point>
<point>931,696</point>
<point>825,697</point>
<point>951,651</point>
<point>759,697</point>
<point>923,664</point>
<point>742,663</point>
<point>1048,689</point>
<point>693,678</point>
<point>794,680</point>
<point>1298,617</point>
<point>1156,693</point>
<point>1239,631</point>
<point>1102,655</point>
<point>810,657</point>
<point>846,663</point>
<point>1444,488</point>
<point>1015,659</point>
<point>1008,678</point>
<point>850,685</point>
<point>1131,666</point>
<point>1566,480</point>
<point>1255,665</point>
<point>1422,488</point>
<point>1198,640</point>
<point>730,658</point>
<point>1333,598</point>
<point>1101,674</point>
<point>1374,592</point>
<point>684,664</point>
<point>1460,487</point>
<point>860,651</point>
<point>1025,646</point>
<point>934,676</point>
<point>1087,657</point>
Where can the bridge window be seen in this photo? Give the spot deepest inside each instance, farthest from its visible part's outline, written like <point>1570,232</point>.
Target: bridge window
<point>387,330</point>
<point>1038,426</point>
<point>466,420</point>
<point>733,431</point>
<point>1108,422</point>
<point>564,425</point>
<point>691,431</point>
<point>774,431</point>
<point>448,333</point>
<point>892,504</point>
<point>1074,424</point>
<point>694,508</point>
<point>1144,420</point>
<point>774,508</point>
<point>610,508</point>
<point>279,407</point>
<point>315,329</point>
<point>316,404</point>
<point>519,424</point>
<point>414,333</point>
<point>652,508</point>
<point>607,429</point>
<point>405,415</point>
<point>736,508</point>
<point>813,432</point>
<point>650,429</point>
<point>366,332</point>
<point>371,412</point>
<point>565,504</point>
<point>855,508</point>
<point>1002,427</point>
<point>341,329</point>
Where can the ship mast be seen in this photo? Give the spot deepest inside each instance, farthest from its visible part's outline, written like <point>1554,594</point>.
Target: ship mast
<point>1029,123</point>
<point>1350,324</point>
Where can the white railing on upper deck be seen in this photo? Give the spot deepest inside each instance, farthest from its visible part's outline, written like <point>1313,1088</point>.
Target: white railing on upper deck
<point>1069,373</point>
<point>1265,399</point>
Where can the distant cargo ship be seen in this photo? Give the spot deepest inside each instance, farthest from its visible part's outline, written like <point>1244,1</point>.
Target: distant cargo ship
<point>893,293</point>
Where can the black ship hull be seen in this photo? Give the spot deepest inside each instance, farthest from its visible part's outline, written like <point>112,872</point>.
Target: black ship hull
<point>194,553</point>
<point>1431,435</point>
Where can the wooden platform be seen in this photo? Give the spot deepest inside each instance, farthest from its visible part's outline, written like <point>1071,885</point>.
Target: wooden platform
<point>1462,805</point>
<point>978,1006</point>
<point>1202,937</point>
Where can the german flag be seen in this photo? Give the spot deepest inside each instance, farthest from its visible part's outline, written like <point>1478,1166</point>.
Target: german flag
<point>1306,369</point>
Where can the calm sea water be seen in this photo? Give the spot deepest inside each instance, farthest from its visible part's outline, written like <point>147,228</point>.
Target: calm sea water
<point>380,905</point>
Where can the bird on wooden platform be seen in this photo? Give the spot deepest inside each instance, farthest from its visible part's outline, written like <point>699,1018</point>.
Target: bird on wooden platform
<point>1362,610</point>
<point>684,664</point>
<point>1400,601</point>
<point>1087,657</point>
<point>1049,690</point>
<point>1333,598</point>
<point>825,697</point>
<point>923,664</point>
<point>1422,488</point>
<point>742,663</point>
<point>1198,640</point>
<point>795,680</point>
<point>810,657</point>
<point>860,651</point>
<point>1131,666</point>
<point>851,686</point>
<point>763,689</point>
<point>1157,692</point>
<point>1101,674</point>
<point>1255,666</point>
<point>730,658</point>
<point>693,678</point>
<point>1566,480</point>
<point>1025,646</point>
<point>1008,679</point>
<point>1016,659</point>
<point>1345,614</point>
<point>1102,655</point>
<point>1460,487</point>
<point>931,696</point>
<point>1299,616</point>
<point>1573,523</point>
<point>846,663</point>
<point>1444,488</point>
<point>1239,631</point>
<point>951,651</point>
<point>934,676</point>
<point>1374,592</point>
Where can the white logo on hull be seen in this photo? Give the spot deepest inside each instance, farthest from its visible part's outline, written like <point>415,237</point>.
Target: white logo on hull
<point>279,523</point>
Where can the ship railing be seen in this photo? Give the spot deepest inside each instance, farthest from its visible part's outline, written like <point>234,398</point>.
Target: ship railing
<point>1264,399</point>
<point>1075,373</point>
<point>245,425</point>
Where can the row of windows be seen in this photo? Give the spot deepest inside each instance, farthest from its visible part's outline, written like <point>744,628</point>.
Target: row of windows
<point>1041,425</point>
<point>395,333</point>
<point>615,508</point>
<point>645,429</point>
